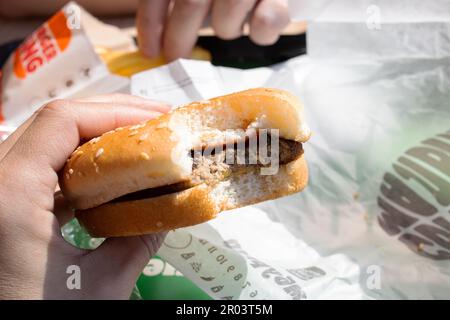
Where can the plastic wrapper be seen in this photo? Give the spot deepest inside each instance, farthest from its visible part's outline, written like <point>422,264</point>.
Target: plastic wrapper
<point>374,220</point>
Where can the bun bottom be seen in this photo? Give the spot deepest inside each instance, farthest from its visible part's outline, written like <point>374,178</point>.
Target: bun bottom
<point>192,206</point>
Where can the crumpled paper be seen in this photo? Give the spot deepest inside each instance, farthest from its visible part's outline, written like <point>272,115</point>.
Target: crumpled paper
<point>374,221</point>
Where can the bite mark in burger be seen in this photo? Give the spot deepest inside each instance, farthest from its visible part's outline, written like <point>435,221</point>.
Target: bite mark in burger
<point>168,172</point>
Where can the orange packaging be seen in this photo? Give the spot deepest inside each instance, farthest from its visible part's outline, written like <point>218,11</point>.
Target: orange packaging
<point>71,55</point>
<point>59,60</point>
<point>46,43</point>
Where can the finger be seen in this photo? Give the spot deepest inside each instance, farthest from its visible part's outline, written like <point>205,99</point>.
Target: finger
<point>182,27</point>
<point>57,129</point>
<point>228,17</point>
<point>150,20</point>
<point>116,98</point>
<point>62,209</point>
<point>49,140</point>
<point>121,260</point>
<point>6,145</point>
<point>127,99</point>
<point>269,19</point>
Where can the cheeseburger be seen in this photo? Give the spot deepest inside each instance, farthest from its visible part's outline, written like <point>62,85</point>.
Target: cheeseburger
<point>186,166</point>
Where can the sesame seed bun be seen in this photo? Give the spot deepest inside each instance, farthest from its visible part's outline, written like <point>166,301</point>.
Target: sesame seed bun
<point>157,153</point>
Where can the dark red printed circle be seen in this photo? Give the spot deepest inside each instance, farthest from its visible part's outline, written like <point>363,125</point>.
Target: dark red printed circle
<point>414,198</point>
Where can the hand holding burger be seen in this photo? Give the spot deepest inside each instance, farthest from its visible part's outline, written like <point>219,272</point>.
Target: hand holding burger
<point>185,167</point>
<point>131,180</point>
<point>34,257</point>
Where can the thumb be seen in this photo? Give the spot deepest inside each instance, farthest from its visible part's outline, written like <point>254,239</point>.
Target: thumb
<point>114,267</point>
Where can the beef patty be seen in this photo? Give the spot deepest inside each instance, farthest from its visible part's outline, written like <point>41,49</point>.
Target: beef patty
<point>211,166</point>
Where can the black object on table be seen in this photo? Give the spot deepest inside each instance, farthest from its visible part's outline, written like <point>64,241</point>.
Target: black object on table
<point>6,49</point>
<point>244,54</point>
<point>238,53</point>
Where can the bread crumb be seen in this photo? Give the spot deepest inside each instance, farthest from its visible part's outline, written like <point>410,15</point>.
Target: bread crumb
<point>355,196</point>
<point>420,247</point>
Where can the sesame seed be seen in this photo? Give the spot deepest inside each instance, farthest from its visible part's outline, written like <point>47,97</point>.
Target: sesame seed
<point>159,224</point>
<point>94,141</point>
<point>138,126</point>
<point>119,129</point>
<point>133,128</point>
<point>145,156</point>
<point>80,173</point>
<point>99,153</point>
<point>133,133</point>
<point>67,176</point>
<point>420,247</point>
<point>70,171</point>
<point>143,137</point>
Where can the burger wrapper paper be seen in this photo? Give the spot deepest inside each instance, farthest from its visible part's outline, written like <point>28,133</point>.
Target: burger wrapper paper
<point>374,220</point>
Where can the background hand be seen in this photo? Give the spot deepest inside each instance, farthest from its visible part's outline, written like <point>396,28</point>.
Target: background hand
<point>171,27</point>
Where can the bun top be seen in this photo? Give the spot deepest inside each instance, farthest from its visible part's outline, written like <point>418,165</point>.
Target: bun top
<point>157,152</point>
